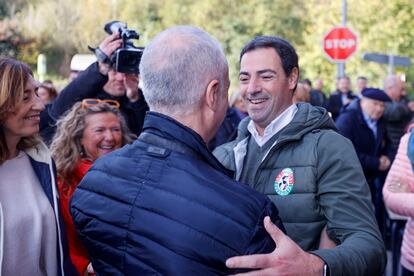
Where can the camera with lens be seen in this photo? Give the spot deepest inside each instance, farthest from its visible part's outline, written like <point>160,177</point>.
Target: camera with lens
<point>127,58</point>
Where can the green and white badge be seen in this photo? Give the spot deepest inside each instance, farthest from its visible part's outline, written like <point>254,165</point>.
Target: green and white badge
<point>284,182</point>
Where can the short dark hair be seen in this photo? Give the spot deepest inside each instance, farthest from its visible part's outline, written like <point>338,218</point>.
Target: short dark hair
<point>362,78</point>
<point>283,48</point>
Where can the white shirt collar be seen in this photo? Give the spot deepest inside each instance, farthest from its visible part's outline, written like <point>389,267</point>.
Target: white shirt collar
<point>274,127</point>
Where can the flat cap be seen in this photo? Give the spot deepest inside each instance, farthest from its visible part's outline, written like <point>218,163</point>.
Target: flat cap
<point>375,94</point>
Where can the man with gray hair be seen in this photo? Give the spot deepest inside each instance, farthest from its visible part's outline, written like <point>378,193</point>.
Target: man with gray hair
<point>165,205</point>
<point>397,114</point>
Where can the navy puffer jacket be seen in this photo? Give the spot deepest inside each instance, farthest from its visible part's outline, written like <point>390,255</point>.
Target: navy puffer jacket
<point>165,206</point>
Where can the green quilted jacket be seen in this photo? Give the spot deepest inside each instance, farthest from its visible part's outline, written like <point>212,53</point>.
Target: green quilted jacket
<point>313,176</point>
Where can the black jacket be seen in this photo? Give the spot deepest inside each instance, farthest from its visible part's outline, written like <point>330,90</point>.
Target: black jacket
<point>369,148</point>
<point>397,116</point>
<point>335,103</point>
<point>89,84</point>
<point>165,206</point>
<point>318,98</point>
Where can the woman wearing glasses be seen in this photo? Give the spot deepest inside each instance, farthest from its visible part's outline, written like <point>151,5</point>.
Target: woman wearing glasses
<point>32,239</point>
<point>91,129</point>
<point>99,81</point>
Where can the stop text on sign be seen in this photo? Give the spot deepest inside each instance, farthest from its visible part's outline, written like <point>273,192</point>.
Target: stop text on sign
<point>339,43</point>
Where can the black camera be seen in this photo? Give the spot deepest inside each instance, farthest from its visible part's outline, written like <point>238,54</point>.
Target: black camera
<point>127,58</point>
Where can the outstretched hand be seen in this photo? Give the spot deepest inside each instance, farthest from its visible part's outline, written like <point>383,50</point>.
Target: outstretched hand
<point>287,259</point>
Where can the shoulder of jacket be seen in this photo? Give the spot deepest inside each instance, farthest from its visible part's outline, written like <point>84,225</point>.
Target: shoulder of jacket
<point>330,140</point>
<point>349,115</point>
<point>329,136</point>
<point>225,150</point>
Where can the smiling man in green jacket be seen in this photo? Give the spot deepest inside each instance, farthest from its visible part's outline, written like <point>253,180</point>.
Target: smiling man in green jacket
<point>293,154</point>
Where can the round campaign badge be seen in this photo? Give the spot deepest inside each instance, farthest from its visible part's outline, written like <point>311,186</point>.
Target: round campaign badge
<point>284,182</point>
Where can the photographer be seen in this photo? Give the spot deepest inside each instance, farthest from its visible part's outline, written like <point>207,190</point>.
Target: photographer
<point>100,81</point>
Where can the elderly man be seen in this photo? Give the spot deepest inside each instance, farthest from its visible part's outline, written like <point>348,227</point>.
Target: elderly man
<point>164,205</point>
<point>397,114</point>
<point>293,154</point>
<point>362,123</point>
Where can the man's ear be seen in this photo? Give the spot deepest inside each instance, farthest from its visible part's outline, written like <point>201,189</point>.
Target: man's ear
<point>213,94</point>
<point>293,78</point>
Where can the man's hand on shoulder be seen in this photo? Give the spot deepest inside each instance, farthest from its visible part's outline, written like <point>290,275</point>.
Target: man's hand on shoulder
<point>287,259</point>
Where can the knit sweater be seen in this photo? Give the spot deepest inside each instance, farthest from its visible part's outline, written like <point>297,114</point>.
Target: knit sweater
<point>402,203</point>
<point>77,251</point>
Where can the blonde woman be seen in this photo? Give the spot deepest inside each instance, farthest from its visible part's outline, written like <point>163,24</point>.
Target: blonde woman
<point>91,129</point>
<point>32,239</point>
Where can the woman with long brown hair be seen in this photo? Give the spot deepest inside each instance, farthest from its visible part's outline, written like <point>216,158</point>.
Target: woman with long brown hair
<point>32,239</point>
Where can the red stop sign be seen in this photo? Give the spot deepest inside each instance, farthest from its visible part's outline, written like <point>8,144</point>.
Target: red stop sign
<point>339,44</point>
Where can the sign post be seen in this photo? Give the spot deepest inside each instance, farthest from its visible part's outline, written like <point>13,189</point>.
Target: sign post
<point>390,60</point>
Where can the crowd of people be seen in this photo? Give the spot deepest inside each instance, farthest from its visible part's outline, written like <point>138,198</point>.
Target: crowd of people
<point>159,173</point>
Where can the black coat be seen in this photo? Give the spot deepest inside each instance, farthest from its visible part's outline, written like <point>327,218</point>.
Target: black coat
<point>318,98</point>
<point>335,105</point>
<point>397,117</point>
<point>352,125</point>
<point>89,84</point>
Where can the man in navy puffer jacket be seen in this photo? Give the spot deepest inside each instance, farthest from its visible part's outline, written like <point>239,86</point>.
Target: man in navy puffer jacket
<point>165,205</point>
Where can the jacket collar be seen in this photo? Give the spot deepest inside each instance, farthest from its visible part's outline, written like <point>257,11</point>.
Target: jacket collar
<point>172,129</point>
<point>39,153</point>
<point>355,106</point>
<point>349,93</point>
<point>274,127</point>
<point>306,119</point>
<point>41,161</point>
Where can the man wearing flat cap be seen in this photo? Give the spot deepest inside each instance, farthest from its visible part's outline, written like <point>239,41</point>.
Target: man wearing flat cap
<point>362,123</point>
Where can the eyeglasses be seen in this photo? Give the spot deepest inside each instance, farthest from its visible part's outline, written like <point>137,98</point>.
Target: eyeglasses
<point>86,103</point>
